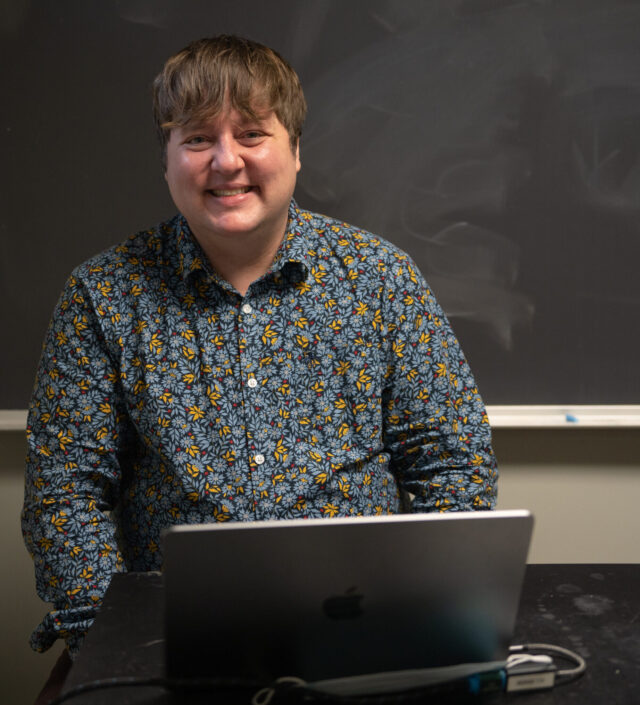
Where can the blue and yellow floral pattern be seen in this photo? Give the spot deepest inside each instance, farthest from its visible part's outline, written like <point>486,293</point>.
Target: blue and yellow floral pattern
<point>333,388</point>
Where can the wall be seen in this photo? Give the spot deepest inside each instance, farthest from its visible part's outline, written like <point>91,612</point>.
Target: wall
<point>24,672</point>
<point>583,487</point>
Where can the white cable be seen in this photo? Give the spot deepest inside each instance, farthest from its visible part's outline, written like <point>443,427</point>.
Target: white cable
<point>571,655</point>
<point>265,695</point>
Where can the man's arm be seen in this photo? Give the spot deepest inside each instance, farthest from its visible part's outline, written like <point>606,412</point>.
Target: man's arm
<point>436,427</point>
<point>74,433</point>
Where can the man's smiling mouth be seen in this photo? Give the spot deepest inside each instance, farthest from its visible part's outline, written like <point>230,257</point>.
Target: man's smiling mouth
<point>230,191</point>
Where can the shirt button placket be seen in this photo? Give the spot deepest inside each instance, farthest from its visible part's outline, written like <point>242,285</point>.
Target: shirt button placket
<point>252,420</point>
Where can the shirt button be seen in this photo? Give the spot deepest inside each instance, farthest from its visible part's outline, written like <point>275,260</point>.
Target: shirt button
<point>259,459</point>
<point>246,308</point>
<point>253,382</point>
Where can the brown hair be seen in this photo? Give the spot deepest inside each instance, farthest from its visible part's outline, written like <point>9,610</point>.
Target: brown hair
<point>195,83</point>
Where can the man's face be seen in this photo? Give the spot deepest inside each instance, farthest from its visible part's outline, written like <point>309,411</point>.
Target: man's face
<point>232,177</point>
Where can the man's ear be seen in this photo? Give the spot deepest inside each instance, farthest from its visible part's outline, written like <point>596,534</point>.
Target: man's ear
<point>298,164</point>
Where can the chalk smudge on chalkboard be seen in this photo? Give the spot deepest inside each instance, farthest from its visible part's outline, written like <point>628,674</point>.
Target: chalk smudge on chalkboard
<point>473,271</point>
<point>153,13</point>
<point>380,106</point>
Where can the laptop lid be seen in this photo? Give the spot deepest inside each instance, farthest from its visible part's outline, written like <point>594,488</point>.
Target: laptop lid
<point>326,599</point>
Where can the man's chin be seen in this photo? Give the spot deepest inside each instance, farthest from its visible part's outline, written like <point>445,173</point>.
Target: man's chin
<point>226,228</point>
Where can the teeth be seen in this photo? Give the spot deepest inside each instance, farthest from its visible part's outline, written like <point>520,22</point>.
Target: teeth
<point>230,192</point>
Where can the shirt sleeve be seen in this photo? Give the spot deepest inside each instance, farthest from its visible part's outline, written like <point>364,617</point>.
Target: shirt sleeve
<point>436,429</point>
<point>74,431</point>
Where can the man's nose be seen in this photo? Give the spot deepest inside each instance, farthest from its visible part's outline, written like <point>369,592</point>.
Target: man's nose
<point>226,155</point>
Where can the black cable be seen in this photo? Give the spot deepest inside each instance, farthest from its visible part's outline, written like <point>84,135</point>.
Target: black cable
<point>106,684</point>
<point>291,689</point>
<point>453,692</point>
<point>282,690</point>
<point>134,681</point>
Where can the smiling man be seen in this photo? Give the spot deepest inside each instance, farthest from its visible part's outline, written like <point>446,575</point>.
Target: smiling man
<point>245,360</point>
<point>232,177</point>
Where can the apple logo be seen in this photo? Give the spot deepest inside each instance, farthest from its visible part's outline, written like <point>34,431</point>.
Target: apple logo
<point>347,606</point>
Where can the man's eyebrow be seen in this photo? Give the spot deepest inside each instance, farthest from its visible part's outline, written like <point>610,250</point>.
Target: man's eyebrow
<point>192,125</point>
<point>252,120</point>
<point>242,121</point>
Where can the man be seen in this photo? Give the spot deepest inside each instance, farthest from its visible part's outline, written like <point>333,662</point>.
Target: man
<point>245,360</point>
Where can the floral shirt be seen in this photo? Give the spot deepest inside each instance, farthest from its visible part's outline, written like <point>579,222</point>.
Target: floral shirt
<point>334,387</point>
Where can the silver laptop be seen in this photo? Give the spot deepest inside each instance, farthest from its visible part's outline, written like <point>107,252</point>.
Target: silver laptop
<point>352,605</point>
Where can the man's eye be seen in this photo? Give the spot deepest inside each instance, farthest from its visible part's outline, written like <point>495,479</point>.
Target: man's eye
<point>197,139</point>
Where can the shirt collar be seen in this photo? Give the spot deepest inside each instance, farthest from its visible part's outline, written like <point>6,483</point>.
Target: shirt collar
<point>191,258</point>
<point>295,247</point>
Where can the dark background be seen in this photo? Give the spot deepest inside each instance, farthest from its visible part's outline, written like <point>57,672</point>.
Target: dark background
<point>497,142</point>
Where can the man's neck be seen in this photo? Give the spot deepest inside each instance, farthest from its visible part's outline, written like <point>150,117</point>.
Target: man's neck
<point>244,264</point>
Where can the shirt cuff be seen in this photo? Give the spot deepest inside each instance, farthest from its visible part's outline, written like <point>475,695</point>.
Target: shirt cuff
<point>70,625</point>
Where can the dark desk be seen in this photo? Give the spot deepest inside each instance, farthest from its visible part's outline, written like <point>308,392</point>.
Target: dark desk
<point>591,609</point>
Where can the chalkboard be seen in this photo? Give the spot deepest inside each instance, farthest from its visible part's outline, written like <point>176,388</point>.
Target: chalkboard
<point>497,142</point>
